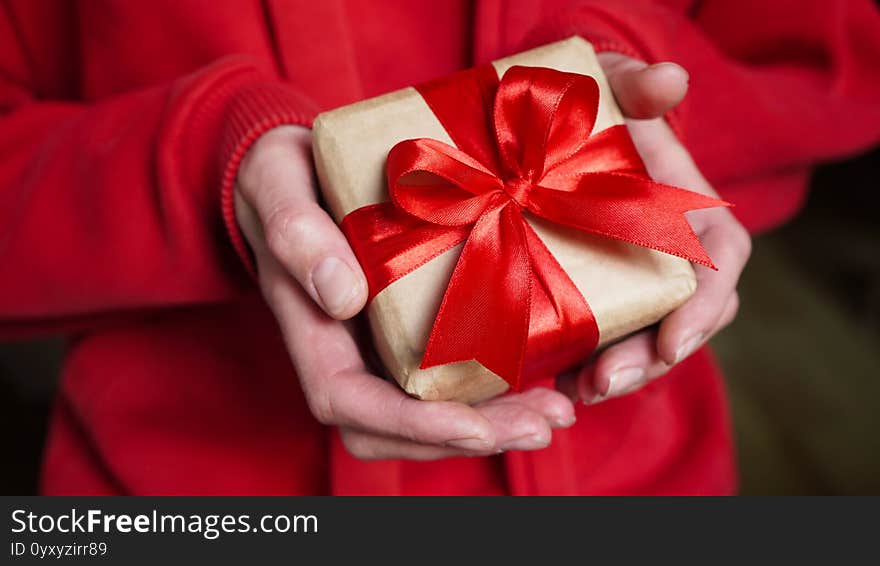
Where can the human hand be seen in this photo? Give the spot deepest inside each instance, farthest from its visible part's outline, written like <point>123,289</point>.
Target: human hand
<point>312,282</point>
<point>645,93</point>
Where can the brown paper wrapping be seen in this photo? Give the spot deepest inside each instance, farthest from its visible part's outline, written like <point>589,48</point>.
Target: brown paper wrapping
<point>627,287</point>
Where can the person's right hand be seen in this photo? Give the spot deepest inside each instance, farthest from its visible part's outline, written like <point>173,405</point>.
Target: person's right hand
<point>311,280</point>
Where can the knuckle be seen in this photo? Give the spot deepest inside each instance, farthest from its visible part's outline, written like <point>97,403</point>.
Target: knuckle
<point>285,229</point>
<point>401,417</point>
<point>741,241</point>
<point>277,242</point>
<point>321,406</point>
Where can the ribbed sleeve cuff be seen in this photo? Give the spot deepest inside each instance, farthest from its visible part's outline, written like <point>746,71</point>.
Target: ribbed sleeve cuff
<point>251,110</point>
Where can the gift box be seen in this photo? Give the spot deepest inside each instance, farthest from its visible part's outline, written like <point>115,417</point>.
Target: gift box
<point>505,222</point>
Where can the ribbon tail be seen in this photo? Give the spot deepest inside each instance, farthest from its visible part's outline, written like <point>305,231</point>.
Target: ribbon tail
<point>389,243</point>
<point>629,208</point>
<point>562,328</point>
<point>463,104</point>
<point>484,315</point>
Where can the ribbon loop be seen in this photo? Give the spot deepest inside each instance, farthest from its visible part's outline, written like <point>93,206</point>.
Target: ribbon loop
<point>439,183</point>
<point>541,117</point>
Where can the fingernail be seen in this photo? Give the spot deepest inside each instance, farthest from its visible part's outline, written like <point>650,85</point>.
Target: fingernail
<point>602,386</point>
<point>563,422</point>
<point>336,284</point>
<point>470,443</point>
<point>670,65</point>
<point>526,442</point>
<point>624,379</point>
<point>688,347</point>
<point>593,399</point>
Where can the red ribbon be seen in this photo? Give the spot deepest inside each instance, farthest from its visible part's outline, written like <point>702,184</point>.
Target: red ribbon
<point>509,304</point>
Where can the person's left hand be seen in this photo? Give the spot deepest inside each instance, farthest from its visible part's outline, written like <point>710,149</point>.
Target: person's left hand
<point>645,93</point>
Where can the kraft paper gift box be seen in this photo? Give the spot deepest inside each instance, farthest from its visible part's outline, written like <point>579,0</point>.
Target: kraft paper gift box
<point>627,287</point>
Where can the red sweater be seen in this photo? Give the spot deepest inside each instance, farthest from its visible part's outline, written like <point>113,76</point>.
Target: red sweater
<point>121,124</point>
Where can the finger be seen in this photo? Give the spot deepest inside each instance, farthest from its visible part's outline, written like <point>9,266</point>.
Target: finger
<point>687,328</point>
<point>524,421</point>
<point>622,368</point>
<point>366,446</point>
<point>642,90</point>
<point>667,160</point>
<point>684,330</point>
<point>341,392</point>
<point>554,407</point>
<point>627,366</point>
<point>278,184</point>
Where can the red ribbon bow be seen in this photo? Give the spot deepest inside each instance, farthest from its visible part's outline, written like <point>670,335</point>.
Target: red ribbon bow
<point>509,304</point>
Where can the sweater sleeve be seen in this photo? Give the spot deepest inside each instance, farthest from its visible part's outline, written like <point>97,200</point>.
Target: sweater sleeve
<point>124,205</point>
<point>776,86</point>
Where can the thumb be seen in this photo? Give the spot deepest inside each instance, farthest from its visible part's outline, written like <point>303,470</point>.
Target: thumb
<point>644,91</point>
<point>279,214</point>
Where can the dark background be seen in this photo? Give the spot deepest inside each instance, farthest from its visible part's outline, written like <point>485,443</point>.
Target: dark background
<point>802,359</point>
